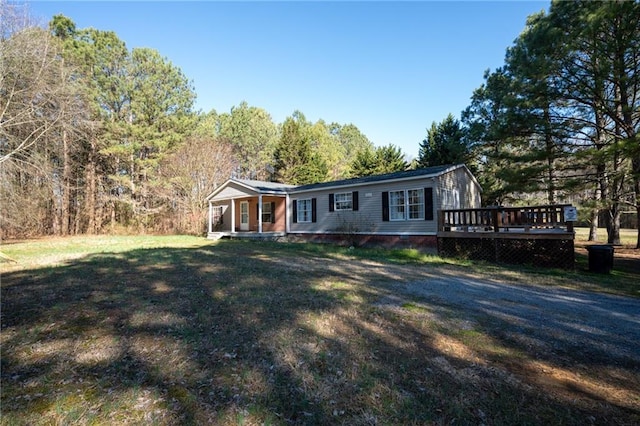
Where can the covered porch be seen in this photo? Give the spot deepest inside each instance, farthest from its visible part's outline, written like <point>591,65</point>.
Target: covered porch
<point>244,208</point>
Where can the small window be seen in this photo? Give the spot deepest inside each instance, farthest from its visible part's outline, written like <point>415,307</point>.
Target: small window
<point>396,205</point>
<point>267,214</point>
<point>217,215</point>
<point>343,201</point>
<point>304,210</point>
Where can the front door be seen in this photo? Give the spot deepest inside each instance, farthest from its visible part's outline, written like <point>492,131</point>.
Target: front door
<point>244,216</point>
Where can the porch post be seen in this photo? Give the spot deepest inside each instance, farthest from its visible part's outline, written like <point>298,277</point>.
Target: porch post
<point>233,215</point>
<point>260,213</point>
<point>287,227</point>
<point>210,217</point>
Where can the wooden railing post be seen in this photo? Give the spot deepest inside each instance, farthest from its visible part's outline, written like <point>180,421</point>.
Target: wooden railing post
<point>494,218</point>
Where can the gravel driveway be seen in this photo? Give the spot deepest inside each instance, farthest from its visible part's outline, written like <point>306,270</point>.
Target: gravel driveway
<point>597,325</point>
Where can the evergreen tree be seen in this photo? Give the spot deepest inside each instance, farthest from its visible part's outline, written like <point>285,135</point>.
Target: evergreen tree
<point>564,109</point>
<point>253,134</point>
<point>381,160</point>
<point>295,161</point>
<point>445,144</point>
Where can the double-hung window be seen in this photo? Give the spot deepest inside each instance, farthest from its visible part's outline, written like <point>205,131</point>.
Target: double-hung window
<point>267,214</point>
<point>343,201</point>
<point>397,205</point>
<point>415,203</point>
<point>217,215</point>
<point>406,204</point>
<point>304,210</point>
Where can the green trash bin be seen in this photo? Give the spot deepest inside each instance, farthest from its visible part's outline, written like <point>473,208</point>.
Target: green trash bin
<point>600,258</point>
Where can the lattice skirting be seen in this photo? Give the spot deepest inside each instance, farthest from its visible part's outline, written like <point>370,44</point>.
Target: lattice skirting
<point>556,253</point>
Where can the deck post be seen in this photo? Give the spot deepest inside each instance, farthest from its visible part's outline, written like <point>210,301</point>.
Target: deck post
<point>494,218</point>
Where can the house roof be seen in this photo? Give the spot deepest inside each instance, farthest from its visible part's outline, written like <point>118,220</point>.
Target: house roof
<point>262,186</point>
<point>282,189</point>
<point>409,174</point>
<point>258,186</point>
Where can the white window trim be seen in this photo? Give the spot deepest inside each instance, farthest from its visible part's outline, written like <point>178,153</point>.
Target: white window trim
<point>216,214</point>
<point>392,206</point>
<point>266,210</point>
<point>421,211</point>
<point>406,206</point>
<point>349,195</point>
<point>300,217</point>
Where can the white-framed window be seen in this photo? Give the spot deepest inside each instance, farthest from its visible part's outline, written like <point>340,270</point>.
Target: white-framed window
<point>343,201</point>
<point>406,204</point>
<point>304,210</point>
<point>396,205</point>
<point>415,203</point>
<point>267,214</point>
<point>218,211</point>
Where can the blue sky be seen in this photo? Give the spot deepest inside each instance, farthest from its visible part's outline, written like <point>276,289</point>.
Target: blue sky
<point>390,68</point>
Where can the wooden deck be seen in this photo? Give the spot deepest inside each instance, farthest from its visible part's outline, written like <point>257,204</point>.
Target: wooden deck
<point>547,219</point>
<point>538,235</point>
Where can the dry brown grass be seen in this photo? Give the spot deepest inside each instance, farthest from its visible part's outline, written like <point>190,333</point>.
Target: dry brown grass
<point>191,332</point>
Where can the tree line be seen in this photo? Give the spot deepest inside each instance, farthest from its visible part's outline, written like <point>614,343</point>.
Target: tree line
<point>561,116</point>
<point>559,121</point>
<point>96,137</point>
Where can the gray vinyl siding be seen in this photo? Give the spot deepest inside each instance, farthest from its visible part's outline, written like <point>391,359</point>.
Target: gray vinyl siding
<point>231,191</point>
<point>368,218</point>
<point>457,184</point>
<point>452,187</point>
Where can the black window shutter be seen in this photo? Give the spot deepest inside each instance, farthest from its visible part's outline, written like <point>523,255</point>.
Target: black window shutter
<point>428,204</point>
<point>221,220</point>
<point>385,206</point>
<point>295,211</point>
<point>273,212</point>
<point>258,211</point>
<point>313,210</point>
<point>331,202</point>
<point>354,200</point>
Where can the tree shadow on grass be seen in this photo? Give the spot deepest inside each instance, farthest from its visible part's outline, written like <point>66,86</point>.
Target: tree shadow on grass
<point>237,333</point>
<point>583,347</point>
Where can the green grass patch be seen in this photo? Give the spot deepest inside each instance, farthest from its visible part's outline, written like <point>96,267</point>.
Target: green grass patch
<point>413,307</point>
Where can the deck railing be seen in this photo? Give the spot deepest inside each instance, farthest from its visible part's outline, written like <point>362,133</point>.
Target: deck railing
<point>549,218</point>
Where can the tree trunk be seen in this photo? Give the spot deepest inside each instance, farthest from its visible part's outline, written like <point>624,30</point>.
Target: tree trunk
<point>91,189</point>
<point>593,226</point>
<point>550,151</point>
<point>613,227</point>
<point>66,190</point>
<point>636,186</point>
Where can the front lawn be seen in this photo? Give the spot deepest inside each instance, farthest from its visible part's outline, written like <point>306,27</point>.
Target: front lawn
<point>180,330</point>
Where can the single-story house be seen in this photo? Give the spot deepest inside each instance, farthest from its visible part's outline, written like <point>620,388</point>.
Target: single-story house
<point>394,208</point>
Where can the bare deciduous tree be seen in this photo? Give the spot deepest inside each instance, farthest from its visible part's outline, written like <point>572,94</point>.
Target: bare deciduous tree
<point>189,175</point>
<point>41,117</point>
